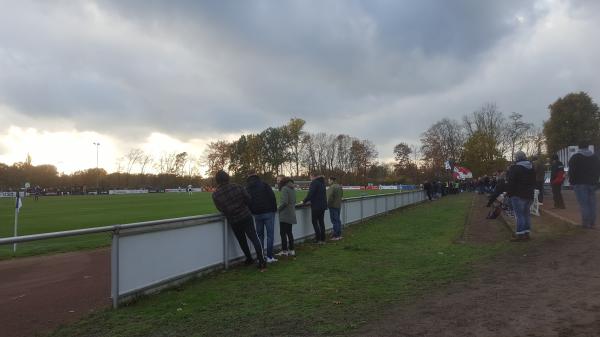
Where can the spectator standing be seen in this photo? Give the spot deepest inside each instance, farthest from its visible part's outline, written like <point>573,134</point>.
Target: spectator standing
<point>287,215</point>
<point>520,189</point>
<point>317,197</point>
<point>584,172</point>
<point>557,176</point>
<point>540,172</point>
<point>428,189</point>
<point>233,201</point>
<point>263,206</point>
<point>335,193</point>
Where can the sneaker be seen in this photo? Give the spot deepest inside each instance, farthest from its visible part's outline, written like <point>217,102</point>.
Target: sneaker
<point>321,242</point>
<point>249,262</point>
<point>282,253</point>
<point>262,266</point>
<point>271,259</point>
<point>291,253</point>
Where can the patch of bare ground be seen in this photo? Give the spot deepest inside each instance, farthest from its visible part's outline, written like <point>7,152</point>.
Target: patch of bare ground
<point>549,286</point>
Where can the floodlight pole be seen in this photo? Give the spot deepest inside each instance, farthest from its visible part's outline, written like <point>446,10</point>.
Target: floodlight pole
<point>97,173</point>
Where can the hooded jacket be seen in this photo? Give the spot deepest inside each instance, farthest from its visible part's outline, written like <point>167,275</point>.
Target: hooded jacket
<point>317,195</point>
<point>335,193</point>
<point>521,180</point>
<point>287,203</point>
<point>584,168</point>
<point>263,197</point>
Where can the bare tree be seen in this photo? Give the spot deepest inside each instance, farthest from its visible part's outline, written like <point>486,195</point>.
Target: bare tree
<point>517,132</point>
<point>442,141</point>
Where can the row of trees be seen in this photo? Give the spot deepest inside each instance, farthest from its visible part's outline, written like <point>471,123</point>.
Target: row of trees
<point>484,141</point>
<point>487,139</point>
<point>289,150</point>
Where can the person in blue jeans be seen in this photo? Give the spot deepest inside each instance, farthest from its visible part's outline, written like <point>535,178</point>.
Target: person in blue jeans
<point>520,188</point>
<point>263,206</point>
<point>335,194</point>
<point>584,172</point>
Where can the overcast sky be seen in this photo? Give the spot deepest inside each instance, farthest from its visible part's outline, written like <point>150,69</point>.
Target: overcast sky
<point>174,75</point>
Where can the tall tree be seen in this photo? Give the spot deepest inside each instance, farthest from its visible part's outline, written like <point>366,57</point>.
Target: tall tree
<point>574,119</point>
<point>275,148</point>
<point>481,154</point>
<point>517,132</point>
<point>217,155</point>
<point>402,153</point>
<point>442,141</point>
<point>295,135</point>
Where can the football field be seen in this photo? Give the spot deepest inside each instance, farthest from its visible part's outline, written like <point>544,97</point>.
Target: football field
<point>51,214</point>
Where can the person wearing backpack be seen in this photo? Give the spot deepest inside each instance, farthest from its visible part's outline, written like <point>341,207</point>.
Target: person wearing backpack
<point>263,207</point>
<point>287,215</point>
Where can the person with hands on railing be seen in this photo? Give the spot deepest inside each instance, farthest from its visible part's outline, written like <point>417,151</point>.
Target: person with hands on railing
<point>233,201</point>
<point>317,198</point>
<point>287,215</point>
<point>335,193</point>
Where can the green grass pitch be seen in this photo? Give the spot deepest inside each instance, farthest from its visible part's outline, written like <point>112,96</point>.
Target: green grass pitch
<point>51,214</point>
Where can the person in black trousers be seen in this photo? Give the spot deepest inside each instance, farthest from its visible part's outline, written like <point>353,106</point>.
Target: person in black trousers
<point>233,201</point>
<point>317,197</point>
<point>557,176</point>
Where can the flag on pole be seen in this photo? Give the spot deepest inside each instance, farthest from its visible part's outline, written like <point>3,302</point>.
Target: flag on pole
<point>19,202</point>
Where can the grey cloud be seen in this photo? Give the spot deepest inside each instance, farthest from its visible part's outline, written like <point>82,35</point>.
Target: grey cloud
<point>376,69</point>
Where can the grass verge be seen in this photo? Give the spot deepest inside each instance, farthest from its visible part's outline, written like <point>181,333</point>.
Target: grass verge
<point>326,290</point>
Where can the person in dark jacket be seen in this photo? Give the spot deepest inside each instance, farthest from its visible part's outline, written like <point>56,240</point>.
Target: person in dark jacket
<point>520,188</point>
<point>584,172</point>
<point>263,206</point>
<point>233,200</point>
<point>500,188</point>
<point>317,197</point>
<point>428,189</point>
<point>557,176</point>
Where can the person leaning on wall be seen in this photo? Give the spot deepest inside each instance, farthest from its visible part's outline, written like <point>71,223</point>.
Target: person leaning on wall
<point>317,198</point>
<point>263,206</point>
<point>335,193</point>
<point>233,201</point>
<point>287,215</point>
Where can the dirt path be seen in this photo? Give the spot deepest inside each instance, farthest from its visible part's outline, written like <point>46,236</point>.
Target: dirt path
<point>549,286</point>
<point>38,294</point>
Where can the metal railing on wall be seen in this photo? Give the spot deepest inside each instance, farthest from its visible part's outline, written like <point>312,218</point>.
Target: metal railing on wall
<point>151,255</point>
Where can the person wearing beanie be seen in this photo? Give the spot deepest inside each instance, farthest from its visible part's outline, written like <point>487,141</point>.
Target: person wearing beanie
<point>584,172</point>
<point>557,176</point>
<point>520,189</point>
<point>287,215</point>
